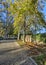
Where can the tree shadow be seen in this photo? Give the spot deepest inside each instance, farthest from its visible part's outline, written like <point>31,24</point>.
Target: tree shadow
<point>6,51</point>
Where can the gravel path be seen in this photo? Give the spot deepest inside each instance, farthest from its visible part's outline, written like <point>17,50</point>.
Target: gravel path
<point>13,56</point>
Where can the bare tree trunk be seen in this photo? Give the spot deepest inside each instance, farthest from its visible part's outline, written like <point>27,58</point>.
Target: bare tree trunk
<point>23,36</point>
<point>24,31</point>
<point>18,35</point>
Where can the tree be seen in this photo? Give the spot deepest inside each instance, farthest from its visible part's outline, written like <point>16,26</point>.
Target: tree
<point>24,11</point>
<point>1,29</point>
<point>8,22</point>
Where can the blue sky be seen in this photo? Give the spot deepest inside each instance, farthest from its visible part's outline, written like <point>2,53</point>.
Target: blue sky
<point>44,11</point>
<point>42,30</point>
<point>43,3</point>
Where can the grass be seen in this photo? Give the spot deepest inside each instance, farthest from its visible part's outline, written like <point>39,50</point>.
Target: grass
<point>41,59</point>
<point>21,43</point>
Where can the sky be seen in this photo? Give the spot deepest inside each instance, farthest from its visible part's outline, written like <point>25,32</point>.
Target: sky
<point>42,8</point>
<point>3,14</point>
<point>45,12</point>
<point>43,3</point>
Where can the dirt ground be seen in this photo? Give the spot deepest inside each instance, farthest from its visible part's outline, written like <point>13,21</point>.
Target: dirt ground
<point>13,54</point>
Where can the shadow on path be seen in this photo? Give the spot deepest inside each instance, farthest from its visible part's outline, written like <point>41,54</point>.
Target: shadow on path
<point>6,51</point>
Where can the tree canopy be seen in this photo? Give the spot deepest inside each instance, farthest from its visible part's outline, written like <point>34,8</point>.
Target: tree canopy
<point>25,10</point>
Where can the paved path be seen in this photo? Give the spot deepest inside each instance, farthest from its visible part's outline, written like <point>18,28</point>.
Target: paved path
<point>13,56</point>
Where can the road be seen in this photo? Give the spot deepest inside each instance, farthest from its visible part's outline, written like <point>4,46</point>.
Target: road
<point>13,55</point>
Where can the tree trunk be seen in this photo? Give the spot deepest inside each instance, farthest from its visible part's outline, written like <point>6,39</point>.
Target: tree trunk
<point>18,35</point>
<point>23,36</point>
